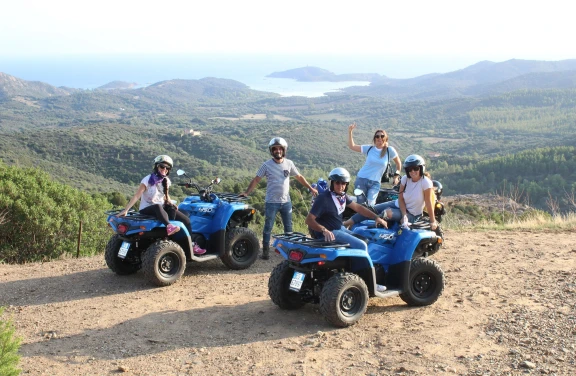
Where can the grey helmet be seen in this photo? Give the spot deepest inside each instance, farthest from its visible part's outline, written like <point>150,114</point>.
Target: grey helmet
<point>278,141</point>
<point>437,188</point>
<point>339,174</point>
<point>415,160</point>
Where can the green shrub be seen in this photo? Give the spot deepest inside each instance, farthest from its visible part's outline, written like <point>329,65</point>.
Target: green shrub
<point>42,217</point>
<point>9,345</point>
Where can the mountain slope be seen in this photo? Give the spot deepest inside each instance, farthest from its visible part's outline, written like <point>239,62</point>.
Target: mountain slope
<point>471,80</point>
<point>11,86</point>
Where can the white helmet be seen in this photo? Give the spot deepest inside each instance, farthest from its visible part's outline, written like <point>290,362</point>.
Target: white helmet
<point>339,174</point>
<point>163,159</point>
<point>415,160</point>
<point>278,141</point>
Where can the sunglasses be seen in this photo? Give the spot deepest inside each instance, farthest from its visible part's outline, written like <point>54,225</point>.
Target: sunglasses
<point>163,166</point>
<point>410,169</point>
<point>379,136</point>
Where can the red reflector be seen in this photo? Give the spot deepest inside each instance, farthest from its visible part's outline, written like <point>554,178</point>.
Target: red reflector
<point>122,228</point>
<point>296,256</point>
<point>321,263</point>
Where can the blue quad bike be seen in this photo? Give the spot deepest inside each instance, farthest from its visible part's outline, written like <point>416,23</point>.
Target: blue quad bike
<point>342,279</point>
<point>219,224</point>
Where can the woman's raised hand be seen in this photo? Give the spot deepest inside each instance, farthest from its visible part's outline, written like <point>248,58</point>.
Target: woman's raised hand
<point>351,127</point>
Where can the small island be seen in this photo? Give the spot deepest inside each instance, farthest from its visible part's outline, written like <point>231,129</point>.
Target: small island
<point>118,85</point>
<point>314,74</point>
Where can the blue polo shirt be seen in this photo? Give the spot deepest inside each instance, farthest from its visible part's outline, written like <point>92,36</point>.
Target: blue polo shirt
<point>326,213</point>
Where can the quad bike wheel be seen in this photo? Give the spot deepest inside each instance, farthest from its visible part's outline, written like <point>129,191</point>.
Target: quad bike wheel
<point>164,263</point>
<point>426,283</point>
<point>278,287</point>
<point>344,299</point>
<point>115,263</point>
<point>241,249</point>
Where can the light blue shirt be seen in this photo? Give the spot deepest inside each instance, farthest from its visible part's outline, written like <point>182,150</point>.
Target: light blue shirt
<point>375,165</point>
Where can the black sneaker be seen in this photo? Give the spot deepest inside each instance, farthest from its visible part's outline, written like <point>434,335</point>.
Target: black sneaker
<point>265,254</point>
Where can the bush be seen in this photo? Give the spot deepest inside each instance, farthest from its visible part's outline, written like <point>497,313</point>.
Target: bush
<point>9,346</point>
<point>42,217</point>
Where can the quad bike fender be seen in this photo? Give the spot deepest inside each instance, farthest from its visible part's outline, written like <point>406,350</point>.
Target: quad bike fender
<point>408,242</point>
<point>230,212</point>
<point>313,255</point>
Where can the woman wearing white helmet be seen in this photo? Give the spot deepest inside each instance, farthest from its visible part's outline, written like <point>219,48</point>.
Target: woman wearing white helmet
<point>325,217</point>
<point>416,192</point>
<point>153,190</point>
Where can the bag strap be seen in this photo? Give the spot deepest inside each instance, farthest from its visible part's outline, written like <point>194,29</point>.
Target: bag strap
<point>370,148</point>
<point>388,164</point>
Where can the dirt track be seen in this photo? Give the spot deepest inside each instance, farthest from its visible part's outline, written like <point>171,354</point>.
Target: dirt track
<point>508,308</point>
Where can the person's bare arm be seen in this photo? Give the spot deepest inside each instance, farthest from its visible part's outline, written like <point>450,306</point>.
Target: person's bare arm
<point>136,197</point>
<point>311,222</point>
<point>401,201</point>
<point>305,183</point>
<point>398,163</point>
<point>429,203</point>
<point>251,186</point>
<point>351,143</point>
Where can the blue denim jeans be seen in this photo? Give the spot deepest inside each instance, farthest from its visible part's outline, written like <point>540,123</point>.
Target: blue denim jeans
<point>344,235</point>
<point>396,213</point>
<point>272,209</point>
<point>371,188</point>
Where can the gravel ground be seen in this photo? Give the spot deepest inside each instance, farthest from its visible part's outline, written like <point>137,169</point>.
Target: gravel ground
<point>508,309</point>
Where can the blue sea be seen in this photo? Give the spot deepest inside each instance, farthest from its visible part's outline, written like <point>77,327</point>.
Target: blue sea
<point>90,72</point>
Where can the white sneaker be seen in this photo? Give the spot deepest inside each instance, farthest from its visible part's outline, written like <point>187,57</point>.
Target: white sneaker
<point>380,288</point>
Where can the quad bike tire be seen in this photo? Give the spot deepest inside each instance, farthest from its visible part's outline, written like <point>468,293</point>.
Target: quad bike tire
<point>241,248</point>
<point>164,262</point>
<point>426,283</point>
<point>278,287</point>
<point>344,299</point>
<point>115,263</point>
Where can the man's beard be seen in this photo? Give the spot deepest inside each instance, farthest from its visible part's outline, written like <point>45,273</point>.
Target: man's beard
<point>277,156</point>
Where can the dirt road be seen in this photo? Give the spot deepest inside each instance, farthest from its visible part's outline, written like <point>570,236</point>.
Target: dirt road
<point>508,308</point>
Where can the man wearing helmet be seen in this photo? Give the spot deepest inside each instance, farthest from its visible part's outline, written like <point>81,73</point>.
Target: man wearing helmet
<point>277,172</point>
<point>153,190</point>
<point>416,192</point>
<point>325,217</point>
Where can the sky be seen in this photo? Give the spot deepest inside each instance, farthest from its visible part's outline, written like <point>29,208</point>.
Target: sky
<point>466,31</point>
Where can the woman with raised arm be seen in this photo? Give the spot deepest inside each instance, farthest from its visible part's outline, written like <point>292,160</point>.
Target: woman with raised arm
<point>378,162</point>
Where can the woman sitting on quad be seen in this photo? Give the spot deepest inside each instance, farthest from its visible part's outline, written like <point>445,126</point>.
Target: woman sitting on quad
<point>325,217</point>
<point>379,157</point>
<point>416,192</point>
<point>153,190</point>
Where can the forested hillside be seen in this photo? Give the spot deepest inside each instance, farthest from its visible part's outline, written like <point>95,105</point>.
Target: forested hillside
<point>104,140</point>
